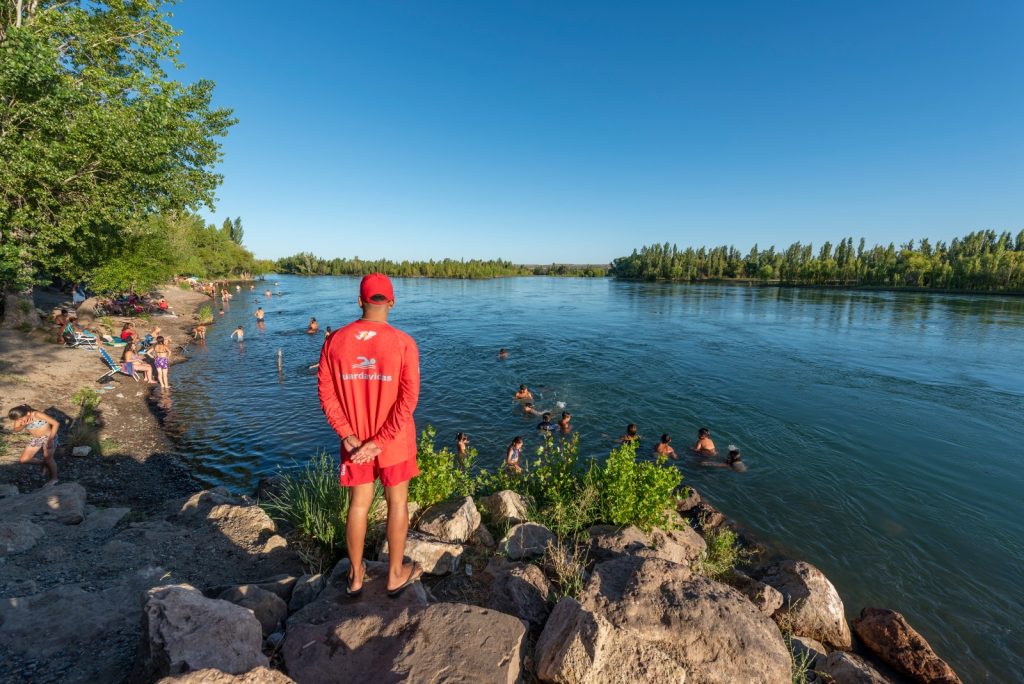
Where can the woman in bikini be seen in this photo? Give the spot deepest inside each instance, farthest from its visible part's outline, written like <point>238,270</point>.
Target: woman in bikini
<point>132,363</point>
<point>512,456</point>
<point>162,361</point>
<point>43,430</point>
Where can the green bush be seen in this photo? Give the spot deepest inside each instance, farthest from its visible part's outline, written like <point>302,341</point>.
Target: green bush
<point>316,505</point>
<point>636,492</point>
<point>205,314</point>
<point>722,556</point>
<point>441,476</point>
<point>184,285</point>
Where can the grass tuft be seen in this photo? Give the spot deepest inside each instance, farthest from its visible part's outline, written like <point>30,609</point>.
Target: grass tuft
<point>723,554</point>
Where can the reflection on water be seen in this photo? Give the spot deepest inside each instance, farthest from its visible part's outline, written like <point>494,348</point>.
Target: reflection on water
<point>881,430</point>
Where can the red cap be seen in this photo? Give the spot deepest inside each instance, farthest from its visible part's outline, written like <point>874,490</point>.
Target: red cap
<point>375,284</point>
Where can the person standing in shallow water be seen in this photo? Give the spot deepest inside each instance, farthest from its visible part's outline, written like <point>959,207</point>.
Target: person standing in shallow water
<point>369,382</point>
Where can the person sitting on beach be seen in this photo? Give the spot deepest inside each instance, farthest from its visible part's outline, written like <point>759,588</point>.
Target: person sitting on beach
<point>545,424</point>
<point>563,423</point>
<point>524,394</point>
<point>502,354</point>
<point>313,326</point>
<point>239,333</point>
<point>704,445</point>
<point>664,447</point>
<point>132,363</point>
<point>199,332</point>
<point>43,430</point>
<point>128,332</point>
<point>259,314</point>
<point>163,305</point>
<point>461,447</point>
<point>631,434</point>
<point>512,456</point>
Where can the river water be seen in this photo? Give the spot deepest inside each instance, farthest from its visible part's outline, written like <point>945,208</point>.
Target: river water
<point>882,431</point>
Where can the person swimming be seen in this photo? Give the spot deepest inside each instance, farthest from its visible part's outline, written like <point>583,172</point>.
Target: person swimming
<point>529,410</point>
<point>734,461</point>
<point>513,454</point>
<point>664,447</point>
<point>704,445</point>
<point>238,333</point>
<point>524,394</point>
<point>631,434</point>
<point>545,424</point>
<point>313,326</point>
<point>259,314</point>
<point>563,423</point>
<point>462,448</point>
<point>502,354</point>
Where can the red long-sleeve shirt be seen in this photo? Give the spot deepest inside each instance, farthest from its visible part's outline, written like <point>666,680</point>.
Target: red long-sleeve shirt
<point>369,383</point>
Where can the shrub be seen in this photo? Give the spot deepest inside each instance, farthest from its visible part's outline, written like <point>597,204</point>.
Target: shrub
<point>803,664</point>
<point>441,476</point>
<point>723,554</point>
<point>184,285</point>
<point>636,492</point>
<point>205,314</point>
<point>316,505</point>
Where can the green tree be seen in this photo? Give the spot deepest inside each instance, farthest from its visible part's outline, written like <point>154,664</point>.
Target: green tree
<point>94,135</point>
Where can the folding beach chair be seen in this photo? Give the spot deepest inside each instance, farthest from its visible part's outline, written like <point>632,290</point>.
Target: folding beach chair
<point>115,368</point>
<point>75,339</point>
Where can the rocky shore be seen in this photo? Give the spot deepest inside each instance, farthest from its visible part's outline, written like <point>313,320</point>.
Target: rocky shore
<point>125,572</point>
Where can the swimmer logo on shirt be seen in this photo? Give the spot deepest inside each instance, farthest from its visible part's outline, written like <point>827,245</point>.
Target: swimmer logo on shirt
<point>365,363</point>
<point>364,335</point>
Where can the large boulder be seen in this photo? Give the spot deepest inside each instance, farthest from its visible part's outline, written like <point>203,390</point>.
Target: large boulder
<point>64,503</point>
<point>812,606</point>
<point>841,667</point>
<point>242,524</point>
<point>505,508</point>
<point>686,500</point>
<point>678,546</point>
<point>521,589</point>
<point>889,636</point>
<point>200,503</point>
<point>260,675</point>
<point>807,651</point>
<point>451,521</point>
<point>705,516</point>
<point>307,588</point>
<point>578,646</point>
<point>18,534</point>
<point>184,630</point>
<point>378,638</point>
<point>269,608</point>
<point>435,556</point>
<point>709,629</point>
<point>526,540</point>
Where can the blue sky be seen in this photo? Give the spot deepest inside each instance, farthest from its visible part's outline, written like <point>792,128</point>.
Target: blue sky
<point>574,132</point>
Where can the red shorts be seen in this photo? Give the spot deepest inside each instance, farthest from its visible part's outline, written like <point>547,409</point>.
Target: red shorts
<point>361,473</point>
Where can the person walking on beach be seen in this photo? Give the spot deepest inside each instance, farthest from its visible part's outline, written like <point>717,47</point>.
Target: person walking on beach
<point>43,432</point>
<point>369,382</point>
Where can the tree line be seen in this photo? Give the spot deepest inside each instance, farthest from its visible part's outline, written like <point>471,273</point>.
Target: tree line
<point>105,157</point>
<point>306,263</point>
<point>983,261</point>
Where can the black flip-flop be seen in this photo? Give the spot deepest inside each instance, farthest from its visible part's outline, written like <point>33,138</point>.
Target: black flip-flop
<point>348,588</point>
<point>414,576</point>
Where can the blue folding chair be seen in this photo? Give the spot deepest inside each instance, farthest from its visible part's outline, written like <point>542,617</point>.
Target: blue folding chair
<point>115,368</point>
<point>75,339</point>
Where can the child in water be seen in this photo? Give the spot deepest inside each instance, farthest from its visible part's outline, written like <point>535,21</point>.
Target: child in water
<point>239,333</point>
<point>502,354</point>
<point>313,326</point>
<point>529,410</point>
<point>704,445</point>
<point>664,447</point>
<point>461,447</point>
<point>545,424</point>
<point>631,434</point>
<point>43,430</point>
<point>563,423</point>
<point>512,456</point>
<point>524,394</point>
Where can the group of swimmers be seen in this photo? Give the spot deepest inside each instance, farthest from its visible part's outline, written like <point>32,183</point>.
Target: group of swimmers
<point>704,447</point>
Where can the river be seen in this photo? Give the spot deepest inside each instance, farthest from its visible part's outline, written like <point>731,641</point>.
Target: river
<point>882,431</point>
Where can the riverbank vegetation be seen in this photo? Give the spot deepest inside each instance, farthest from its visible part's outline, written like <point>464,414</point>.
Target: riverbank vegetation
<point>305,263</point>
<point>105,155</point>
<point>982,261</point>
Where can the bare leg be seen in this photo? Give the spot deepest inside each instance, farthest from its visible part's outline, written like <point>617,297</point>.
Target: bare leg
<point>360,498</point>
<point>398,529</point>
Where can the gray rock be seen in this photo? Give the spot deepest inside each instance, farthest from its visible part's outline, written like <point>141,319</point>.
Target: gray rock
<point>521,589</point>
<point>706,628</point>
<point>526,540</point>
<point>8,490</point>
<point>282,585</point>
<point>104,519</point>
<point>307,588</point>
<point>242,524</point>
<point>451,521</point>
<point>705,516</point>
<point>483,537</point>
<point>63,502</point>
<point>578,646</point>
<point>185,631</point>
<point>200,503</point>
<point>841,667</point>
<point>806,648</point>
<point>678,546</point>
<point>811,605</point>
<point>505,508</point>
<point>889,636</point>
<point>767,598</point>
<point>269,608</point>
<point>435,556</point>
<point>260,675</point>
<point>18,534</point>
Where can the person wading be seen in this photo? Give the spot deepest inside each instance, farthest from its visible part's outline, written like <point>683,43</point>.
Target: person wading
<point>369,383</point>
